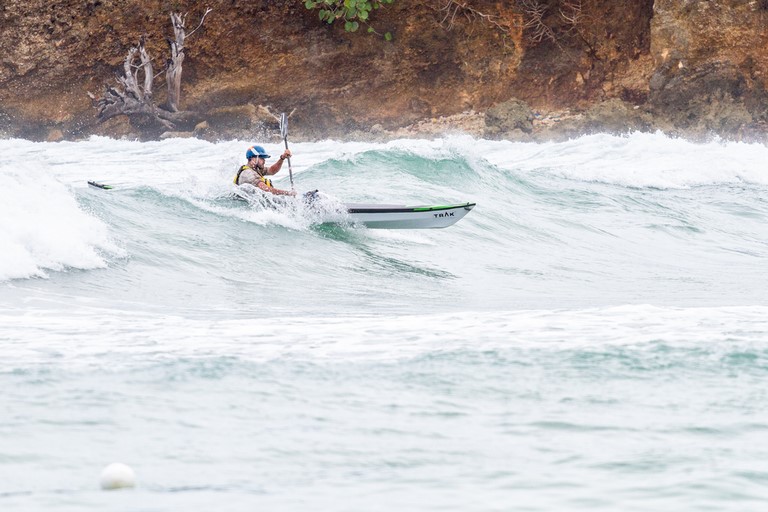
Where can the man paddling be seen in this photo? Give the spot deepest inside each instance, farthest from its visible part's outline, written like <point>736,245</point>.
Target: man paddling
<point>254,172</point>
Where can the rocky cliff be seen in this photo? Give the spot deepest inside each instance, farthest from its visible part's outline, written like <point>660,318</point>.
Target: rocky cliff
<point>517,69</point>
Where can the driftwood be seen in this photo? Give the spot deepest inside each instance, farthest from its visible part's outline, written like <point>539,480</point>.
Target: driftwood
<point>173,65</point>
<point>132,99</point>
<point>134,96</point>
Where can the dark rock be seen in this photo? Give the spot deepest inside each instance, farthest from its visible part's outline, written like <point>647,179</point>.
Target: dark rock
<point>715,98</point>
<point>508,120</point>
<point>201,129</point>
<point>612,116</point>
<point>55,135</point>
<point>617,117</point>
<point>237,121</point>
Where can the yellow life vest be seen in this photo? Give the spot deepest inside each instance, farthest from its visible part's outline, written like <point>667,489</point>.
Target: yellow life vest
<point>267,181</point>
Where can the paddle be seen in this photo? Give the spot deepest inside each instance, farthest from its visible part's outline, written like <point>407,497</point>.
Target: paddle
<point>284,134</point>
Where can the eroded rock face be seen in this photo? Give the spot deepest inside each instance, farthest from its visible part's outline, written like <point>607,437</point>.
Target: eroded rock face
<point>710,98</point>
<point>273,53</point>
<point>711,67</point>
<point>697,66</point>
<point>705,75</point>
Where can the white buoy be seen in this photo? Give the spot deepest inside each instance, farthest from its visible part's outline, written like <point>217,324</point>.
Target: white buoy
<point>117,476</point>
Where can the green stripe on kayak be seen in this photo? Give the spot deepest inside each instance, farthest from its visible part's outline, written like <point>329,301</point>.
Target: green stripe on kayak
<point>435,208</point>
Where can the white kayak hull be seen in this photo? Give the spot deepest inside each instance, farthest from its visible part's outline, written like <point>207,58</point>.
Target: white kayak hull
<point>378,216</point>
<point>374,216</point>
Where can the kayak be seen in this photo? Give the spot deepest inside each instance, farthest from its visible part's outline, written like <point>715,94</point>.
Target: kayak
<point>379,216</point>
<point>373,216</point>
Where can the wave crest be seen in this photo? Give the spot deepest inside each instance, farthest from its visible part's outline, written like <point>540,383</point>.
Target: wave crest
<point>43,228</point>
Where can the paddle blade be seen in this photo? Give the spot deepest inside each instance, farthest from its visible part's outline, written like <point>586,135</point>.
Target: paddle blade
<point>283,125</point>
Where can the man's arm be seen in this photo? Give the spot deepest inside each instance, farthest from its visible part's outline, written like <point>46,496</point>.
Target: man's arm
<point>272,190</point>
<point>275,167</point>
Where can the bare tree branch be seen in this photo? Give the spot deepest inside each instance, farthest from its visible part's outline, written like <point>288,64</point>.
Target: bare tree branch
<point>508,26</point>
<point>128,80</point>
<point>208,10</point>
<point>146,66</point>
<point>136,101</point>
<point>174,63</point>
<point>572,13</point>
<point>453,7</point>
<point>535,12</point>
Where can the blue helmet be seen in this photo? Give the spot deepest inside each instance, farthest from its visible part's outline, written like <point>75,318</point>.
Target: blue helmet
<point>256,151</point>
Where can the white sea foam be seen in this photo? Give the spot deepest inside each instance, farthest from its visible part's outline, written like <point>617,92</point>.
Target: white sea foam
<point>76,339</point>
<point>638,160</point>
<point>43,228</point>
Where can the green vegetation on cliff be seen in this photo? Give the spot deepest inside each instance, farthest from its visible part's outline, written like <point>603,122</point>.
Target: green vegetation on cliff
<point>351,12</point>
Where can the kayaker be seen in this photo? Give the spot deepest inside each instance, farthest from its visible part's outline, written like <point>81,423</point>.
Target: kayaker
<point>254,172</point>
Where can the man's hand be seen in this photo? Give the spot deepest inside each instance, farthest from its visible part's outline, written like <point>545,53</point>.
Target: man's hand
<point>286,154</point>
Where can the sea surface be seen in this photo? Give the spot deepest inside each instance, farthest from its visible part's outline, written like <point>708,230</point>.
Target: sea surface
<point>592,336</point>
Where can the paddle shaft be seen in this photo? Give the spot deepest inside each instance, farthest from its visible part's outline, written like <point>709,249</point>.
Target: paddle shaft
<point>290,171</point>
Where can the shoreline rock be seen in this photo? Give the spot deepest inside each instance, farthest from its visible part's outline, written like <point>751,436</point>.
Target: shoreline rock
<point>613,117</point>
<point>513,120</point>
